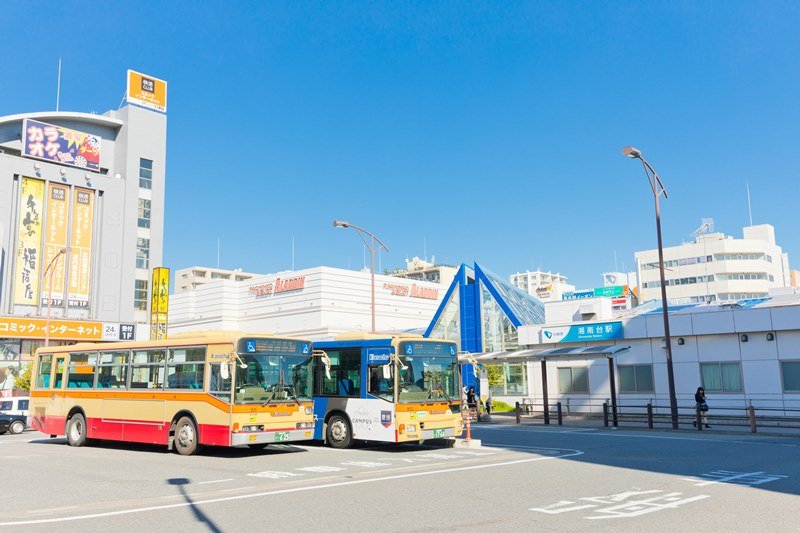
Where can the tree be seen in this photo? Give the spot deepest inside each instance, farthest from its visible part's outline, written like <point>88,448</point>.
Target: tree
<point>494,374</point>
<point>23,380</point>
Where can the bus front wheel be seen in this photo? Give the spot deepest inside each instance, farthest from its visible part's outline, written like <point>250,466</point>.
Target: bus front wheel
<point>76,430</point>
<point>186,436</point>
<point>339,434</point>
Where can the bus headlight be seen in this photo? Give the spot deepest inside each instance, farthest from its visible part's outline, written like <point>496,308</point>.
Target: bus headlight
<point>305,425</point>
<point>252,428</point>
<point>411,428</point>
<point>309,411</point>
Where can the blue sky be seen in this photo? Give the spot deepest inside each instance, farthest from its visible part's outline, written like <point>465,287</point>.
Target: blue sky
<point>490,131</point>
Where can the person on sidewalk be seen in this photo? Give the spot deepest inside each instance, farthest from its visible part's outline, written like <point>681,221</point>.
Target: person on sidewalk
<point>700,398</point>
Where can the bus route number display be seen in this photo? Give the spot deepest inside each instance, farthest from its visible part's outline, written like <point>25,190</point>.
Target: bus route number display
<point>274,347</point>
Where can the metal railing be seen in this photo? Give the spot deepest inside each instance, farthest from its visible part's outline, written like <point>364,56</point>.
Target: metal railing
<point>653,415</point>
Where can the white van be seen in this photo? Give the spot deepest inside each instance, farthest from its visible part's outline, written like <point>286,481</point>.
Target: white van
<point>14,405</point>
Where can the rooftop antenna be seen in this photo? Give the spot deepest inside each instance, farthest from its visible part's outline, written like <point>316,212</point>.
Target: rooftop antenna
<point>749,210</point>
<point>58,85</point>
<point>706,226</point>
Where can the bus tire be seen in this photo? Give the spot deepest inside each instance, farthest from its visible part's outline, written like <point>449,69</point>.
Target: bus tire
<point>17,427</point>
<point>186,436</point>
<point>339,435</point>
<point>76,430</point>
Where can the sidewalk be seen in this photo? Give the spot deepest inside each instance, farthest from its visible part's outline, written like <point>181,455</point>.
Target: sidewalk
<point>595,422</point>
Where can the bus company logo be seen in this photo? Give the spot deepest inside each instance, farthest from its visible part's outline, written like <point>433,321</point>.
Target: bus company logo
<point>386,418</point>
<point>279,286</point>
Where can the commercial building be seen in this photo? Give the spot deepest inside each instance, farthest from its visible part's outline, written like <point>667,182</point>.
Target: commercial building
<point>422,270</point>
<point>81,224</point>
<point>544,286</point>
<point>316,303</point>
<point>190,278</point>
<point>716,268</point>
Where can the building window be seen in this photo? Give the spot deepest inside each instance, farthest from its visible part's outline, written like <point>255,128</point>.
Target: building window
<point>791,376</point>
<point>145,174</point>
<point>507,379</point>
<point>144,213</point>
<point>573,379</point>
<point>142,253</point>
<point>636,378</point>
<point>140,295</point>
<point>721,377</point>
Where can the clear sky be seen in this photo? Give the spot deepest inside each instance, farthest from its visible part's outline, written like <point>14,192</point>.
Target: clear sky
<point>489,131</point>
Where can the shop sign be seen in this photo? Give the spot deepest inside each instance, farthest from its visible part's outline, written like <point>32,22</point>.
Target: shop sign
<point>147,91</point>
<point>279,286</point>
<point>41,140</point>
<point>159,303</point>
<point>603,331</point>
<point>28,265</point>
<point>414,291</point>
<point>80,252</point>
<point>76,330</point>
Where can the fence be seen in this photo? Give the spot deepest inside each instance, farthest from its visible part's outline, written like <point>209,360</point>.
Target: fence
<point>652,415</point>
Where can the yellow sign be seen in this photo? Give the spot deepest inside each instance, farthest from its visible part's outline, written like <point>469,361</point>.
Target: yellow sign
<point>55,240</point>
<point>159,303</point>
<point>29,243</point>
<point>147,91</point>
<point>80,254</point>
<point>34,328</point>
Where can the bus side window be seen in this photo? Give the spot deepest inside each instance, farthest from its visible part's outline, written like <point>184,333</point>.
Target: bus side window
<point>219,384</point>
<point>345,374</point>
<point>379,384</point>
<point>59,373</point>
<point>44,370</point>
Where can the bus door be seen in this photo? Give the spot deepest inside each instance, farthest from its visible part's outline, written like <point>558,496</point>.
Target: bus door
<point>373,417</point>
<point>56,415</point>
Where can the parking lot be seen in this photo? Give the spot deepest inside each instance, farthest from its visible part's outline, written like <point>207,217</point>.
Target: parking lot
<point>523,477</point>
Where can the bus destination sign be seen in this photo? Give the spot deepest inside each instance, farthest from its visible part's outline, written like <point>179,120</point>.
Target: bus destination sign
<point>274,347</point>
<point>428,349</point>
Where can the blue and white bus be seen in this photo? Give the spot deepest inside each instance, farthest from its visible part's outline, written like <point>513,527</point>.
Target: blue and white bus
<point>396,388</point>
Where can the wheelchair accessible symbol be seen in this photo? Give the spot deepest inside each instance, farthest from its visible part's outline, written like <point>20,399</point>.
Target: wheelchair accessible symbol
<point>251,346</point>
<point>452,350</point>
<point>409,349</point>
<point>305,349</point>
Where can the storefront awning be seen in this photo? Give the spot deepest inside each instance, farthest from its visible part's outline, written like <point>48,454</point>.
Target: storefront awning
<point>580,352</point>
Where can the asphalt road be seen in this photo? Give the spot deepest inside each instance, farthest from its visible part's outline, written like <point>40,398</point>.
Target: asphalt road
<point>523,478</point>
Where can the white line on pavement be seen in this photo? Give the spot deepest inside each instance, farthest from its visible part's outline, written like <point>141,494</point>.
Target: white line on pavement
<point>214,481</point>
<point>291,490</point>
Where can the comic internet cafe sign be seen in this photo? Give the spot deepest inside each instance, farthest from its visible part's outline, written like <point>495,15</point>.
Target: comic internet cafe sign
<point>76,330</point>
<point>147,91</point>
<point>603,331</point>
<point>279,286</point>
<point>414,291</point>
<point>47,142</point>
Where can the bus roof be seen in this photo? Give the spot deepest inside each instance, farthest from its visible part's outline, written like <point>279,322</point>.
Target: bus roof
<point>179,339</point>
<point>364,336</point>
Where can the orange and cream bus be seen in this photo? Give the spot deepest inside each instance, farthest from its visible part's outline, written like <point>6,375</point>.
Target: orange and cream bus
<point>215,389</point>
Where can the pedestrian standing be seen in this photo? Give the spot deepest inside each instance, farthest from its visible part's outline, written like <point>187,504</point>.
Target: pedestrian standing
<point>700,399</point>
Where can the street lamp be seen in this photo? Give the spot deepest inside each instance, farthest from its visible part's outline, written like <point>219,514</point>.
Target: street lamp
<point>659,189</point>
<point>47,270</point>
<point>372,249</point>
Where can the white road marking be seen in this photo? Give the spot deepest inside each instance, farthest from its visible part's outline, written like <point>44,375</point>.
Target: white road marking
<point>290,490</point>
<point>272,474</point>
<point>321,469</point>
<point>735,478</point>
<point>366,464</point>
<point>620,506</point>
<point>214,481</point>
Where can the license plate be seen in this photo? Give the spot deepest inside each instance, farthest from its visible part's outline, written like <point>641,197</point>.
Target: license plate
<point>281,436</point>
<point>438,433</point>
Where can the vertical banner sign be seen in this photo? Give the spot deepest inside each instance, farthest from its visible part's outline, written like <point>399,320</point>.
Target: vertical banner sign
<point>80,256</point>
<point>29,242</point>
<point>55,240</point>
<point>159,303</point>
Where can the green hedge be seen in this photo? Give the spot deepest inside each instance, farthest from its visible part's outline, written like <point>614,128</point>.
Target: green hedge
<point>501,407</point>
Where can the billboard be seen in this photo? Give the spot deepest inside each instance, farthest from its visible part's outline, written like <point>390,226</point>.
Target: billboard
<point>55,240</point>
<point>147,91</point>
<point>159,303</point>
<point>80,256</point>
<point>41,140</point>
<point>78,330</point>
<point>28,264</point>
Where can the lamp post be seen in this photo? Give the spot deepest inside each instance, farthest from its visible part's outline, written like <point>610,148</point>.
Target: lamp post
<point>47,270</point>
<point>658,190</point>
<point>372,249</point>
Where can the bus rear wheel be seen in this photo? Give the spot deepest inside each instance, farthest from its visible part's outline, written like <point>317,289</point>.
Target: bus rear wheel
<point>338,434</point>
<point>76,430</point>
<point>186,436</point>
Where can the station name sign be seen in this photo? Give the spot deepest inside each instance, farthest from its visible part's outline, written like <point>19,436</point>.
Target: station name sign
<point>414,291</point>
<point>279,286</point>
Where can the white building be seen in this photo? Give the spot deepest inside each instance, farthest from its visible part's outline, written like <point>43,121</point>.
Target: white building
<point>422,270</point>
<point>545,286</point>
<point>716,268</point>
<point>317,303</point>
<point>190,278</point>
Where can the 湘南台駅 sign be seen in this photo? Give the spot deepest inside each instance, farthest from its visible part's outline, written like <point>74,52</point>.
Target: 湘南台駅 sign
<point>601,331</point>
<point>60,145</point>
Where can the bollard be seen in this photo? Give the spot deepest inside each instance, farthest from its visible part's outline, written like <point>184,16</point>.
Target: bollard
<point>698,420</point>
<point>469,433</point>
<point>751,414</point>
<point>605,414</point>
<point>558,414</point>
<point>649,416</point>
<point>519,413</point>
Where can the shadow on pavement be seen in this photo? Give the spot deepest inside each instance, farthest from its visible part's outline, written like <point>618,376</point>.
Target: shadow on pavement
<point>199,515</point>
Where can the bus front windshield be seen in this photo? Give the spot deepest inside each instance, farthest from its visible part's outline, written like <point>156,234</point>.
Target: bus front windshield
<point>273,379</point>
<point>427,378</point>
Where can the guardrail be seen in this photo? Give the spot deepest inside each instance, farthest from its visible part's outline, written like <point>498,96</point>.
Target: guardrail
<point>652,415</point>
